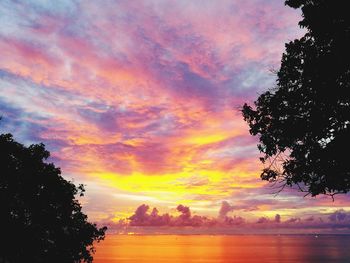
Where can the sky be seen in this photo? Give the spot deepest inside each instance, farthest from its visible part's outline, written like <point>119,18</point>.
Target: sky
<point>139,101</point>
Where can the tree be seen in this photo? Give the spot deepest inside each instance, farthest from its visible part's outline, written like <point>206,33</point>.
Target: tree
<point>41,220</point>
<point>303,122</point>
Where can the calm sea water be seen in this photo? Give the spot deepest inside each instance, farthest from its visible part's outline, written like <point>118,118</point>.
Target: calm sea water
<point>232,248</point>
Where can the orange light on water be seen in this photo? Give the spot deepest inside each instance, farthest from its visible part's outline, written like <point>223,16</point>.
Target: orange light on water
<point>223,248</point>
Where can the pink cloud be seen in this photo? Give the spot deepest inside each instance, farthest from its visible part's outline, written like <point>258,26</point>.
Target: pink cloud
<point>224,209</point>
<point>142,220</point>
<point>277,218</point>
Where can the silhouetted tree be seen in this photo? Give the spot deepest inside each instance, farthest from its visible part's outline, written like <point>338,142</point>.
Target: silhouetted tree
<point>41,220</point>
<point>303,123</point>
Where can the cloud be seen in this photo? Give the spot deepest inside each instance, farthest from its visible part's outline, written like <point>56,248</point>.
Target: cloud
<point>224,209</point>
<point>185,212</point>
<point>339,216</point>
<point>234,221</point>
<point>310,219</point>
<point>142,217</point>
<point>277,218</point>
<point>263,220</point>
<point>143,98</point>
<point>293,220</point>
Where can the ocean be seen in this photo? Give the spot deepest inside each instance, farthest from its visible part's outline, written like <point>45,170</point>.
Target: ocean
<point>224,248</point>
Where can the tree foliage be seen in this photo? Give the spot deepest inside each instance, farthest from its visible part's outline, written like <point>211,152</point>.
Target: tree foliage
<point>303,122</point>
<point>41,220</point>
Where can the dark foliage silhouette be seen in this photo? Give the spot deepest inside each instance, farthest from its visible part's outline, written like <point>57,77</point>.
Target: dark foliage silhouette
<point>303,123</point>
<point>41,220</point>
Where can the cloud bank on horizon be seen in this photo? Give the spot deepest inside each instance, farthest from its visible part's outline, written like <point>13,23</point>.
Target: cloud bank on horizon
<point>139,99</point>
<point>145,221</point>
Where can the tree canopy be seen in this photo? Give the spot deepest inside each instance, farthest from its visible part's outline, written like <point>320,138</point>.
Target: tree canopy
<point>303,122</point>
<point>41,220</point>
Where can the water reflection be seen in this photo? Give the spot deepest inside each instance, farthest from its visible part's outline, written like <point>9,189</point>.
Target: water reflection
<point>201,248</point>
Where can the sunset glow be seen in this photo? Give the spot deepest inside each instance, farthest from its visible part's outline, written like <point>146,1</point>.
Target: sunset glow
<point>139,101</point>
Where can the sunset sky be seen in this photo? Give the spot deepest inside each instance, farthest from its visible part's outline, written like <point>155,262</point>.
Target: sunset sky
<point>139,100</point>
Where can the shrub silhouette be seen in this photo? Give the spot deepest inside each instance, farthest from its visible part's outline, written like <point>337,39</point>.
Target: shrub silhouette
<point>41,220</point>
